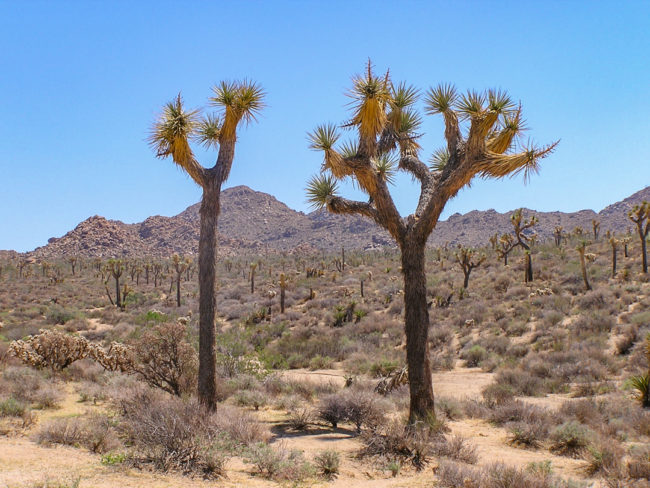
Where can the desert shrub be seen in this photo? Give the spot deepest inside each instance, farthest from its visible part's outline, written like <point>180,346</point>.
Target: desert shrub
<point>364,408</point>
<point>450,408</point>
<point>173,433</point>
<point>593,323</point>
<point>604,457</point>
<point>496,475</point>
<point>638,465</point>
<point>522,382</point>
<point>456,448</point>
<point>474,355</point>
<point>497,394</point>
<point>10,407</point>
<point>95,433</point>
<point>255,399</point>
<point>394,440</point>
<point>552,318</point>
<point>300,417</point>
<point>58,315</point>
<point>165,359</point>
<point>328,462</point>
<point>320,362</point>
<point>333,409</point>
<point>518,411</point>
<point>528,434</point>
<point>279,464</point>
<point>570,439</point>
<point>48,396</point>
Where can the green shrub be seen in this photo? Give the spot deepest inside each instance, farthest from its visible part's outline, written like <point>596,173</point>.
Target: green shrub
<point>571,439</point>
<point>12,408</point>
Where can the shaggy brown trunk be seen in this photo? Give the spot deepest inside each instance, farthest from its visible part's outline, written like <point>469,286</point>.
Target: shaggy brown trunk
<point>178,289</point>
<point>118,296</point>
<point>583,265</point>
<point>282,300</point>
<point>644,254</point>
<point>466,281</point>
<point>416,319</point>
<point>210,207</point>
<point>613,262</point>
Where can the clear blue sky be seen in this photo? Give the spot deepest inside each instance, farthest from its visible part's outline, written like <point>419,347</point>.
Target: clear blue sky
<point>82,81</point>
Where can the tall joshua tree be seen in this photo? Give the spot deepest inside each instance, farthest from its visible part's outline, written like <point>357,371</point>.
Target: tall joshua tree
<point>170,136</point>
<point>640,215</point>
<point>387,126</point>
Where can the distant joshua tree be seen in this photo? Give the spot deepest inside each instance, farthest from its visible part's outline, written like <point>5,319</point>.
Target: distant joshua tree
<point>465,258</point>
<point>170,136</point>
<point>180,266</point>
<point>73,263</point>
<point>387,126</point>
<point>116,267</point>
<point>595,225</point>
<point>614,243</point>
<point>520,225</point>
<point>583,262</point>
<point>640,215</point>
<point>558,234</point>
<point>506,245</point>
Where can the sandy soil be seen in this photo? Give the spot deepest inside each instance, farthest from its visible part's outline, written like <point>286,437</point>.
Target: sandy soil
<point>23,463</point>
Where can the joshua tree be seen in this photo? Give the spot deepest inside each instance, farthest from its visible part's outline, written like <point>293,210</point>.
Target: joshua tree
<point>558,234</point>
<point>626,242</point>
<point>180,265</point>
<point>614,243</point>
<point>583,262</point>
<point>170,136</point>
<point>252,276</point>
<point>388,125</point>
<point>494,238</point>
<point>116,267</point>
<point>520,225</point>
<point>147,270</point>
<point>283,287</point>
<point>595,225</point>
<point>506,244</point>
<point>640,215</point>
<point>464,257</point>
<point>73,263</point>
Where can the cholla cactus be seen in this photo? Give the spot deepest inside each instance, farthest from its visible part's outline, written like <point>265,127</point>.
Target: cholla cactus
<point>118,357</point>
<point>51,349</point>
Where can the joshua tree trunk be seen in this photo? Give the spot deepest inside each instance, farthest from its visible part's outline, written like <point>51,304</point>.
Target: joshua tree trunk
<point>416,318</point>
<point>583,265</point>
<point>614,249</point>
<point>178,289</point>
<point>209,212</point>
<point>529,268</point>
<point>118,296</point>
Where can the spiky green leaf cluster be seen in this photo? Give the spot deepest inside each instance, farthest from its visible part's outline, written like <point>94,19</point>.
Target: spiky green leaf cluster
<point>323,138</point>
<point>319,189</point>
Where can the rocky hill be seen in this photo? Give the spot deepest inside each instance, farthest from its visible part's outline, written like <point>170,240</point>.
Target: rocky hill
<point>253,222</point>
